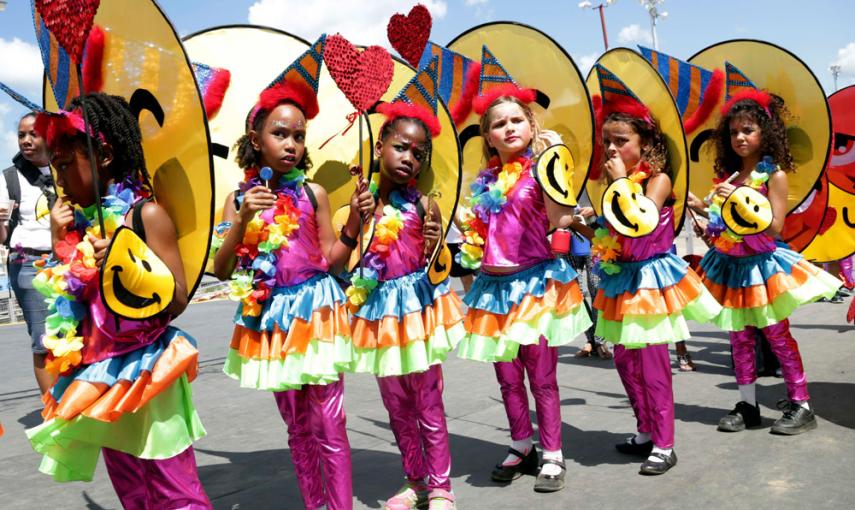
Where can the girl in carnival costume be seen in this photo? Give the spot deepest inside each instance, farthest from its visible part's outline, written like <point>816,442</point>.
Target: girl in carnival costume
<point>405,325</point>
<point>758,282</point>
<point>291,333</point>
<point>646,293</point>
<point>123,385</point>
<point>524,302</point>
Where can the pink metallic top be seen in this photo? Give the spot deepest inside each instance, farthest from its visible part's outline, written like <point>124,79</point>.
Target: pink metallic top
<point>108,336</point>
<point>516,235</point>
<point>407,253</point>
<point>753,244</point>
<point>303,258</point>
<point>635,249</point>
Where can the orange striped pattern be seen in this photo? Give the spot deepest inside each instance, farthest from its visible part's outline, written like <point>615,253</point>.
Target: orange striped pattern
<point>559,298</point>
<point>761,295</point>
<point>324,326</point>
<point>108,404</point>
<point>415,326</point>
<point>665,301</point>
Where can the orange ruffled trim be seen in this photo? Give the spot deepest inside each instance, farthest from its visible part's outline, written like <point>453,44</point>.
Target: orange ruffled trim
<point>103,403</point>
<point>665,301</point>
<point>559,298</point>
<point>325,324</point>
<point>761,295</point>
<point>416,326</point>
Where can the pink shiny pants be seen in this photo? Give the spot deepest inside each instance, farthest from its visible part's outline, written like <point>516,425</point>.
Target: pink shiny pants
<point>786,350</point>
<point>320,450</point>
<point>417,417</point>
<point>646,377</point>
<point>164,484</point>
<point>539,362</point>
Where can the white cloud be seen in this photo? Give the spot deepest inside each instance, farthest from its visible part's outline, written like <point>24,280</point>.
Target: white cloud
<point>634,34</point>
<point>360,22</point>
<point>21,66</point>
<point>8,134</point>
<point>586,62</point>
<point>476,2</point>
<point>846,59</point>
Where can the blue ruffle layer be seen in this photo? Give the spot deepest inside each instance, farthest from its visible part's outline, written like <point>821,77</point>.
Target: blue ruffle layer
<point>658,272</point>
<point>297,301</point>
<point>739,272</point>
<point>499,293</point>
<point>401,296</point>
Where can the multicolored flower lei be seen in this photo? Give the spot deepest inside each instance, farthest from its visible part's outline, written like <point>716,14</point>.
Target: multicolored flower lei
<point>489,194</point>
<point>723,238</point>
<point>386,232</point>
<point>70,277</point>
<point>606,246</point>
<point>265,235</point>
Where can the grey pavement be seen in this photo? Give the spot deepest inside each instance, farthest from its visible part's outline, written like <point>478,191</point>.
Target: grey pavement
<point>244,461</point>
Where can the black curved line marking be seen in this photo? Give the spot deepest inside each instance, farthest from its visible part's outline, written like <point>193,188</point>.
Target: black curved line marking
<point>219,150</point>
<point>469,132</point>
<point>439,268</point>
<point>542,99</point>
<point>849,223</point>
<point>742,222</point>
<point>141,100</point>
<point>695,149</point>
<point>127,297</point>
<point>619,215</point>
<point>550,175</point>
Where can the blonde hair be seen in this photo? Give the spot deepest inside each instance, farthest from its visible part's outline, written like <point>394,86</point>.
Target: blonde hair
<point>537,143</point>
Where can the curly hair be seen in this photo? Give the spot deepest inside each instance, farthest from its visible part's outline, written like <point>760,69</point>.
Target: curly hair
<point>247,157</point>
<point>537,144</point>
<point>112,117</point>
<point>773,135</point>
<point>654,148</point>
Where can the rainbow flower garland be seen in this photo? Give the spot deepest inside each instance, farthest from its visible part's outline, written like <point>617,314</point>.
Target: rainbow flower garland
<point>386,233</point>
<point>724,238</point>
<point>69,278</point>
<point>266,234</point>
<point>606,246</point>
<point>489,194</point>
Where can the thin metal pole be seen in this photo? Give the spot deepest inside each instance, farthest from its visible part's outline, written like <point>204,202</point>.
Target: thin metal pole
<point>603,25</point>
<point>96,184</point>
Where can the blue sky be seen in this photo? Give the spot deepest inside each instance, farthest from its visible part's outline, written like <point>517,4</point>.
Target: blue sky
<point>820,32</point>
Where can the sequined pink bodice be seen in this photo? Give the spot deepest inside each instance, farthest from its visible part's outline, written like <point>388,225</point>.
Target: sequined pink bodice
<point>516,235</point>
<point>655,243</point>
<point>303,258</point>
<point>753,244</point>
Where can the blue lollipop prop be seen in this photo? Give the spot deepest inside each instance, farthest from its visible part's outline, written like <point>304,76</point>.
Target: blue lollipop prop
<point>266,173</point>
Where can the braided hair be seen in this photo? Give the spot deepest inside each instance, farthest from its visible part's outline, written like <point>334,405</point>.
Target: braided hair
<point>111,116</point>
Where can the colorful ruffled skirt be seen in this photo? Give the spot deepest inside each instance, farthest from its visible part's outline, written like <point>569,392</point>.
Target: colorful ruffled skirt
<point>139,403</point>
<point>509,310</point>
<point>406,325</point>
<point>764,289</point>
<point>301,336</point>
<point>648,302</point>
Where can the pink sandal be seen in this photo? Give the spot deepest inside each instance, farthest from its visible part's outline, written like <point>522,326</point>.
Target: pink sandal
<point>440,499</point>
<point>408,497</point>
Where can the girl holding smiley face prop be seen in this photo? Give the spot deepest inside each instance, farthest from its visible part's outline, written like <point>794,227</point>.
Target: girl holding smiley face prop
<point>646,292</point>
<point>126,373</point>
<point>525,302</point>
<point>758,282</point>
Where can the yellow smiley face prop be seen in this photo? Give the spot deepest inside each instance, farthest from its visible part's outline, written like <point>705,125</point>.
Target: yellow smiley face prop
<point>628,210</point>
<point>439,265</point>
<point>135,283</point>
<point>746,211</point>
<point>554,173</point>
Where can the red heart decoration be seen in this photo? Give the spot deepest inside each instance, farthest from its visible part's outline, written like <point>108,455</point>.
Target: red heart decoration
<point>70,22</point>
<point>362,76</point>
<point>409,34</point>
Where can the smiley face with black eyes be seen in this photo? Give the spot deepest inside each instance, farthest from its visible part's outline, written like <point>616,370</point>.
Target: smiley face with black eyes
<point>629,211</point>
<point>135,283</point>
<point>746,211</point>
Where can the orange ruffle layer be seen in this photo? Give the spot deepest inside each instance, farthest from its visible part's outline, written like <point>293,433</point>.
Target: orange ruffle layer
<point>764,294</point>
<point>393,331</point>
<point>665,301</point>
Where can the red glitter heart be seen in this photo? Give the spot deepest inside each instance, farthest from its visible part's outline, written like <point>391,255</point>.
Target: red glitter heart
<point>409,34</point>
<point>362,76</point>
<point>70,22</point>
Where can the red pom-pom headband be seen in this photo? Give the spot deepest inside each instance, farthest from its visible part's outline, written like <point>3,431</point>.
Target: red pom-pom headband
<point>762,98</point>
<point>52,126</point>
<point>288,91</point>
<point>483,101</point>
<point>620,104</point>
<point>398,109</point>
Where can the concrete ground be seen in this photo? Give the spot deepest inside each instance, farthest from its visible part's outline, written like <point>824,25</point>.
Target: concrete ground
<point>244,461</point>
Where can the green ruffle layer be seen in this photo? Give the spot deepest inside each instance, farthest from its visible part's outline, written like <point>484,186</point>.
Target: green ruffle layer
<point>416,356</point>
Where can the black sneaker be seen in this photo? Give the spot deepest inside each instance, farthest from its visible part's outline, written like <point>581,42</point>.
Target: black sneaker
<point>743,416</point>
<point>796,419</point>
<point>630,447</point>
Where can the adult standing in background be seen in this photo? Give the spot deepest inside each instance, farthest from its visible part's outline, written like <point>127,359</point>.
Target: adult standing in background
<point>25,231</point>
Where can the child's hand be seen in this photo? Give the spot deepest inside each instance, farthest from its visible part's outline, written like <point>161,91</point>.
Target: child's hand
<point>100,246</point>
<point>431,231</point>
<point>61,217</point>
<point>724,189</point>
<point>586,212</point>
<point>615,167</point>
<point>256,199</point>
<point>695,203</point>
<point>550,137</point>
<point>363,201</point>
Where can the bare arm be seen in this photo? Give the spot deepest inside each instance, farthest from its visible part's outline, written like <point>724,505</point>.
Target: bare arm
<point>255,199</point>
<point>658,189</point>
<point>336,252</point>
<point>162,237</point>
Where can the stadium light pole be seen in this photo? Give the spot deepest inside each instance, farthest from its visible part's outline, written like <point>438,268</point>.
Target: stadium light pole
<point>588,5</point>
<point>652,7</point>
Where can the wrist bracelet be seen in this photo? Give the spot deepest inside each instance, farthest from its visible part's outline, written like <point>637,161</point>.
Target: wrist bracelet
<point>347,240</point>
